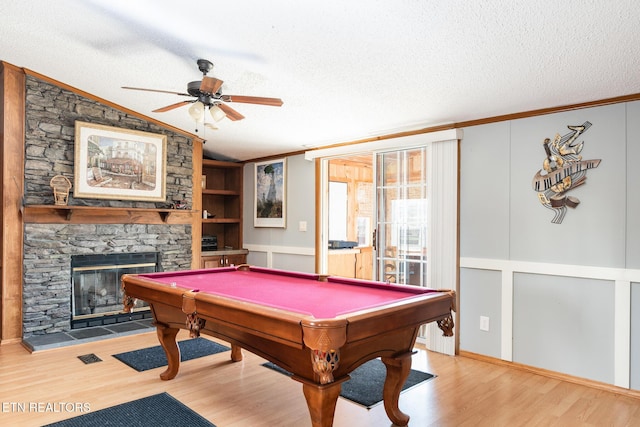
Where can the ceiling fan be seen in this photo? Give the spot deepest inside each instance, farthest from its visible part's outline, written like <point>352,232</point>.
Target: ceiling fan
<point>207,93</point>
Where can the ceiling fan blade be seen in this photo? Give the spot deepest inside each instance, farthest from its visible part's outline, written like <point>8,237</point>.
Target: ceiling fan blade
<point>210,85</point>
<point>274,102</point>
<point>171,107</point>
<point>155,90</point>
<point>230,112</point>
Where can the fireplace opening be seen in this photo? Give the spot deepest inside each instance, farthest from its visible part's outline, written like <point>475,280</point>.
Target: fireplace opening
<point>96,297</point>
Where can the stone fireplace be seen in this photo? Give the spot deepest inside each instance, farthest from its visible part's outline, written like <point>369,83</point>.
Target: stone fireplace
<point>48,253</point>
<point>53,239</point>
<point>96,292</point>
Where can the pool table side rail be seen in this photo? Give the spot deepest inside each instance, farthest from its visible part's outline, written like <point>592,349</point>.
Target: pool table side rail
<point>133,284</point>
<point>282,325</point>
<point>163,274</point>
<point>410,289</point>
<point>267,322</point>
<point>418,311</point>
<point>243,267</point>
<point>285,326</point>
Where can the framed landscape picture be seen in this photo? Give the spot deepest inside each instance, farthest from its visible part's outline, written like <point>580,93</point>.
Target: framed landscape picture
<point>119,164</point>
<point>270,205</point>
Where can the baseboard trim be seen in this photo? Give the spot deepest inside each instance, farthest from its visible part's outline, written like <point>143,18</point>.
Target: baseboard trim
<point>552,374</point>
<point>10,341</point>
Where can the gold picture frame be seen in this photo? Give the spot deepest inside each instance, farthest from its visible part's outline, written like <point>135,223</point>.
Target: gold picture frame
<point>119,164</point>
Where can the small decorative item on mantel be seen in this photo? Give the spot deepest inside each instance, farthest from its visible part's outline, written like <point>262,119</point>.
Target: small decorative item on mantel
<point>179,204</point>
<point>61,186</point>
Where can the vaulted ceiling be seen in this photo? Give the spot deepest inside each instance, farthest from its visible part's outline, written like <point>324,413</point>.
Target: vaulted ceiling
<point>346,70</point>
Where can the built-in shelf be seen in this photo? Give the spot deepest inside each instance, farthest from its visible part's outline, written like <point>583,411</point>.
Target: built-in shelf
<point>221,221</point>
<point>222,207</point>
<point>221,192</point>
<point>53,214</point>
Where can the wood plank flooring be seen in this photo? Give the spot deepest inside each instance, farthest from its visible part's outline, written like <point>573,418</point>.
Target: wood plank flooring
<point>466,392</point>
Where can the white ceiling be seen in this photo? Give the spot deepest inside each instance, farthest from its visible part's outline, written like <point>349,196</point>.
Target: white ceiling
<point>346,70</point>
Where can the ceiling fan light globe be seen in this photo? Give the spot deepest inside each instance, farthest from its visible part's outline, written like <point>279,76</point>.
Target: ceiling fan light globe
<point>217,113</point>
<point>196,111</point>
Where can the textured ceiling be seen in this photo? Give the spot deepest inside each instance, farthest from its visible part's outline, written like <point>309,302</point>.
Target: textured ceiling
<point>346,70</point>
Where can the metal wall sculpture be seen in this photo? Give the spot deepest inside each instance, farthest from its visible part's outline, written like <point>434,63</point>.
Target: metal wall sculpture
<point>562,171</point>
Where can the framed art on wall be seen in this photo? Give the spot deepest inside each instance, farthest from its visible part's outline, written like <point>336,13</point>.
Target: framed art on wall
<point>119,164</point>
<point>270,205</point>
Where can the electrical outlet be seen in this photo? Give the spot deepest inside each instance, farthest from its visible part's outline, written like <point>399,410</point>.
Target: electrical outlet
<point>484,323</point>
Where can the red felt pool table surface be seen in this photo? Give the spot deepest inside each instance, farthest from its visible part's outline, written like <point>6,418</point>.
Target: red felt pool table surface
<point>293,291</point>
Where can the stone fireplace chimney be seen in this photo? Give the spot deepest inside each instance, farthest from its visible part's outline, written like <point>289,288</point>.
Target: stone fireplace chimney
<point>53,237</point>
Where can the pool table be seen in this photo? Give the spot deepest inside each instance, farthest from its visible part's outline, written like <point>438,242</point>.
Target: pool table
<point>319,328</point>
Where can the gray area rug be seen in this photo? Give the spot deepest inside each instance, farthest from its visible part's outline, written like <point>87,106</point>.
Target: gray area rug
<point>154,357</point>
<point>157,410</point>
<point>367,382</point>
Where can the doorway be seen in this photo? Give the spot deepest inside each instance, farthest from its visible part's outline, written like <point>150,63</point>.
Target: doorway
<point>416,213</point>
<point>351,215</point>
<point>401,220</point>
<point>377,216</point>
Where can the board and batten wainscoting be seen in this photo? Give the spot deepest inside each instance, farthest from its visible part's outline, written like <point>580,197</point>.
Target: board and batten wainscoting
<point>603,310</point>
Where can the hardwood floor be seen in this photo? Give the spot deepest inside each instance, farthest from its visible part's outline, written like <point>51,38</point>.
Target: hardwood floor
<point>466,392</point>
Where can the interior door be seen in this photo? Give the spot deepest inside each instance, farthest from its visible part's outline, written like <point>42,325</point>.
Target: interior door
<point>412,191</point>
<point>401,217</point>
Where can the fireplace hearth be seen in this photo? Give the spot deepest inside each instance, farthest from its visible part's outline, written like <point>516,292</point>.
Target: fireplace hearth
<point>96,297</point>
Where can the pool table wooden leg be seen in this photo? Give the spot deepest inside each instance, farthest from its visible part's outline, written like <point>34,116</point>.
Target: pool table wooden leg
<point>321,400</point>
<point>167,338</point>
<point>398,369</point>
<point>236,353</point>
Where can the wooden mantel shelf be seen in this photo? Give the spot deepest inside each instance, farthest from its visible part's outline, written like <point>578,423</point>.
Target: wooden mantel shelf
<point>59,214</point>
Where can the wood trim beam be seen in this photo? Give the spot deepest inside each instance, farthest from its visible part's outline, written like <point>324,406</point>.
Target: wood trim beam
<point>196,227</point>
<point>12,128</point>
<point>550,110</point>
<point>57,214</point>
<point>473,122</point>
<point>318,201</point>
